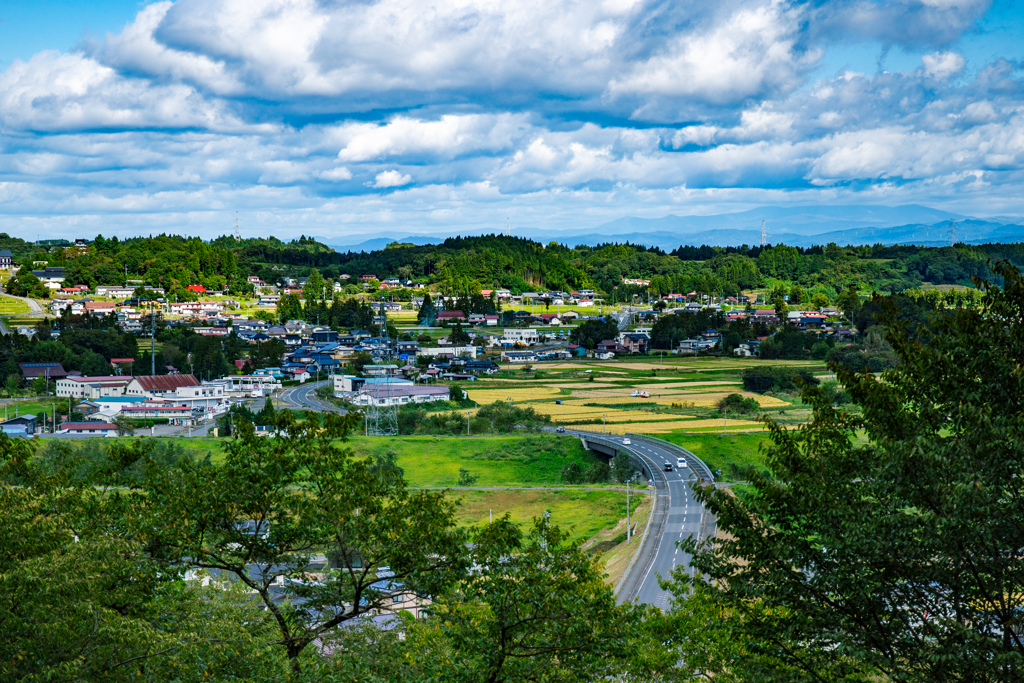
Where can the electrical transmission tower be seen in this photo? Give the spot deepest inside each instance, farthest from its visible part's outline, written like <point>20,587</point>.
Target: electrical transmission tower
<point>764,234</point>
<point>382,413</point>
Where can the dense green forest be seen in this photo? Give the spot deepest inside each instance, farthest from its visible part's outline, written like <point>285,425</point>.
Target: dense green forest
<point>464,265</point>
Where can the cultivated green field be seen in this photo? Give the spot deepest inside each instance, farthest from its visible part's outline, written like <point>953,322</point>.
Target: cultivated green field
<point>12,306</point>
<point>535,460</point>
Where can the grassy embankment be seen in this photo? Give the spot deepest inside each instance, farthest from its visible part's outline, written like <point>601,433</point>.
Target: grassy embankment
<point>593,514</point>
<point>11,306</point>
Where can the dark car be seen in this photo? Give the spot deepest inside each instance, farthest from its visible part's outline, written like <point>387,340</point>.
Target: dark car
<point>668,467</point>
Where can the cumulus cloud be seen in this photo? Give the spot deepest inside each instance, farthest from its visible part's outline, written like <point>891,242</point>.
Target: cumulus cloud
<point>942,65</point>
<point>391,178</point>
<point>311,108</point>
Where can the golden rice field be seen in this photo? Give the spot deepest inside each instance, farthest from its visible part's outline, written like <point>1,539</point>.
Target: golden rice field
<point>701,400</point>
<point>486,396</point>
<point>673,425</point>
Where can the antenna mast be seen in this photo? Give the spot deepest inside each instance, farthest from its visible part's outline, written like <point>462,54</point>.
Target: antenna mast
<point>238,233</point>
<point>764,234</point>
<point>508,227</point>
<point>382,420</point>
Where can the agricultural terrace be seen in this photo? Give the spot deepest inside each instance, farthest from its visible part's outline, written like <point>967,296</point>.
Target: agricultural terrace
<point>661,396</point>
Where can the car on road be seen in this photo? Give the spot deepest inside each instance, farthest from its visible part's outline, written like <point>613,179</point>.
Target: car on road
<point>668,467</point>
<point>681,463</point>
<point>560,430</point>
<point>627,442</point>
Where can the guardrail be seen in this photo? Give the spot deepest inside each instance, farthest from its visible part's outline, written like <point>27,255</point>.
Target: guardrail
<point>668,445</point>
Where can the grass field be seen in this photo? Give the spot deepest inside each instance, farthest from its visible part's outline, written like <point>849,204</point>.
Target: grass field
<point>495,461</point>
<point>730,453</point>
<point>12,306</point>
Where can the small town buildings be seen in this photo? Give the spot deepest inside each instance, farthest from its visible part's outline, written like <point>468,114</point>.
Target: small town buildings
<point>92,387</point>
<point>468,351</point>
<point>159,386</point>
<point>23,425</point>
<point>88,428</point>
<point>392,394</point>
<point>47,370</point>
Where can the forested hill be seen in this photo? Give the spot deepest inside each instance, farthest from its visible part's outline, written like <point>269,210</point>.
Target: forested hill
<point>465,264</point>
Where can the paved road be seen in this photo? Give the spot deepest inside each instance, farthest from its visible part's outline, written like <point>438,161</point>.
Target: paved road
<point>677,515</point>
<point>304,397</point>
<point>623,318</point>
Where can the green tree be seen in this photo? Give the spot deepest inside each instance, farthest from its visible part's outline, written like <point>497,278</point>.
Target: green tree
<point>125,425</point>
<point>781,308</point>
<point>900,553</point>
<point>849,302</point>
<point>12,384</point>
<point>289,307</point>
<point>536,607</point>
<point>314,289</point>
<point>458,335</point>
<point>819,301</point>
<point>245,519</point>
<point>428,312</point>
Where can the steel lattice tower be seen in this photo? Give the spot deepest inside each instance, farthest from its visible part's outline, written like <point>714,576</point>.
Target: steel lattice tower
<point>764,235</point>
<point>382,420</point>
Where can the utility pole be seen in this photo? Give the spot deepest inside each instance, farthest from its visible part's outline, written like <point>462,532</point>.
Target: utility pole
<point>725,420</point>
<point>54,407</point>
<point>629,535</point>
<point>152,338</point>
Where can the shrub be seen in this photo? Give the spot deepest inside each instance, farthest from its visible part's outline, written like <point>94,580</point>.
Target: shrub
<point>738,404</point>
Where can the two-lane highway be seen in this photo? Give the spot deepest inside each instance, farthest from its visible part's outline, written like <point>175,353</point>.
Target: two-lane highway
<point>304,397</point>
<point>677,515</point>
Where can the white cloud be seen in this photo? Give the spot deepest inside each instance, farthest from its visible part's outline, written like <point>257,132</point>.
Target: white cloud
<point>942,65</point>
<point>303,109</point>
<point>391,179</point>
<point>339,173</point>
<point>752,51</point>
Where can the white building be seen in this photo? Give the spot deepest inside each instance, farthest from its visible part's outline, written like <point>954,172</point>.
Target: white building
<point>159,386</point>
<point>453,351</point>
<point>92,387</point>
<point>245,386</point>
<point>399,394</point>
<point>513,337</point>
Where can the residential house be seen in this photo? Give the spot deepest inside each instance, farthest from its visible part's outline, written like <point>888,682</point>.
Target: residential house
<point>611,346</point>
<point>23,425</point>
<point>748,349</point>
<point>450,316</point>
<point>635,342</point>
<point>47,370</point>
<point>6,258</point>
<point>88,428</point>
<point>518,357</point>
<point>764,315</point>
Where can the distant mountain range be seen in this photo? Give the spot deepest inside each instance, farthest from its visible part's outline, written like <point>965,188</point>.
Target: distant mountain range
<point>801,226</point>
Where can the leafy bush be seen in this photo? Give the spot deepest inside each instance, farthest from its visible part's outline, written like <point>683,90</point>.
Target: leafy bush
<point>735,403</point>
<point>767,378</point>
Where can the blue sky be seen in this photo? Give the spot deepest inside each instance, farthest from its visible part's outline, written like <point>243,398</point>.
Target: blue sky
<point>344,117</point>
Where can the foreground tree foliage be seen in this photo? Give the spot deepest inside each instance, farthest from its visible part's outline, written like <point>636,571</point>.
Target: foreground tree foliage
<point>131,562</point>
<point>305,526</point>
<point>79,599</point>
<point>900,557</point>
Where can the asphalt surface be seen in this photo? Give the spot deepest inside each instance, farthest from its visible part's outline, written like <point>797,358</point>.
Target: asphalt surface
<point>676,516</point>
<point>304,397</point>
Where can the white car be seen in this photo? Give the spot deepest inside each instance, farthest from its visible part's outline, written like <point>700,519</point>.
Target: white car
<point>626,442</point>
<point>681,462</point>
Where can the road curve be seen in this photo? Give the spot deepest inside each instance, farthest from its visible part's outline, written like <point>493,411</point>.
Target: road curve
<point>303,397</point>
<point>677,515</point>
